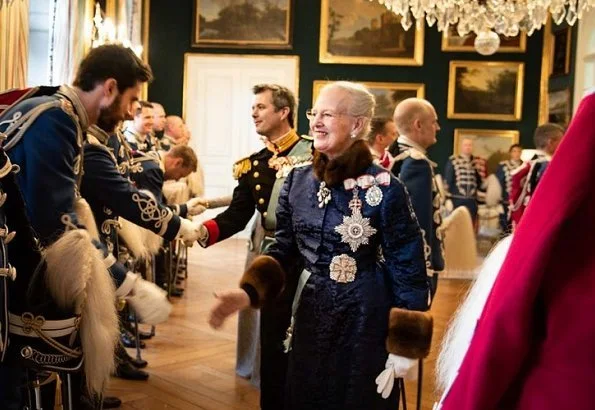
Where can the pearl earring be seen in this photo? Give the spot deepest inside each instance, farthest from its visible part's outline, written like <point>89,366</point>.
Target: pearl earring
<point>353,135</point>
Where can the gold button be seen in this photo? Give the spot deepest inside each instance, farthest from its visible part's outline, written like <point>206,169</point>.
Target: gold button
<point>264,214</point>
<point>261,201</point>
<point>255,162</point>
<point>257,187</point>
<point>256,174</point>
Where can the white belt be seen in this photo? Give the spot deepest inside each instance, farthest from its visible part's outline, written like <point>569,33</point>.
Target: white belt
<point>26,325</point>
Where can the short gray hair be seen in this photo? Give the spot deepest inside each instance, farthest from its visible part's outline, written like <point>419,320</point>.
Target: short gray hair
<point>361,102</point>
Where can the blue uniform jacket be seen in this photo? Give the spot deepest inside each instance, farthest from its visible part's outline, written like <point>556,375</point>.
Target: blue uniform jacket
<point>101,176</point>
<point>416,172</point>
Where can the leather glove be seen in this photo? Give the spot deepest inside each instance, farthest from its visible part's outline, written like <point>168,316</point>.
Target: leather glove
<point>195,206</point>
<point>395,367</point>
<point>189,232</point>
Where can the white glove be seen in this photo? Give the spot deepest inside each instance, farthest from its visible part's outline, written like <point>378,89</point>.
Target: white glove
<point>396,367</point>
<point>203,236</point>
<point>195,206</point>
<point>189,232</point>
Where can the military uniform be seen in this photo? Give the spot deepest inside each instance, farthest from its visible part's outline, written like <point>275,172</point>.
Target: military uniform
<point>504,176</point>
<point>137,141</point>
<point>524,181</point>
<point>416,171</point>
<point>260,177</point>
<point>45,139</point>
<point>124,199</point>
<point>464,182</point>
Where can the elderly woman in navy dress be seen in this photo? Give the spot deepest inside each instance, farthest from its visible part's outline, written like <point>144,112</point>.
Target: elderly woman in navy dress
<point>353,326</point>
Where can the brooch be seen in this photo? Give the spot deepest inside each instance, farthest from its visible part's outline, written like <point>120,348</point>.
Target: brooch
<point>371,183</point>
<point>355,229</point>
<point>323,194</point>
<point>343,268</point>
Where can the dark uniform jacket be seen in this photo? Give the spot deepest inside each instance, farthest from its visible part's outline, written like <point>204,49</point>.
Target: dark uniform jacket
<point>464,182</point>
<point>123,199</point>
<point>416,171</point>
<point>135,140</point>
<point>256,177</point>
<point>147,173</point>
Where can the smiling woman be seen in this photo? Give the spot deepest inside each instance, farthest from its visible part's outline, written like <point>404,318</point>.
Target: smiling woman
<point>350,223</point>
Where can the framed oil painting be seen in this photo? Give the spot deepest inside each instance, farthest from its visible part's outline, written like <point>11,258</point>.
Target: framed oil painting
<point>485,90</point>
<point>561,46</point>
<point>243,24</point>
<point>366,32</point>
<point>492,145</point>
<point>559,107</point>
<point>387,95</point>
<point>451,41</point>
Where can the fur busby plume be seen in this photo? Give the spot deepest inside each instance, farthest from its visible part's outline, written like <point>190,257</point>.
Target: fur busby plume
<point>493,191</point>
<point>460,248</point>
<point>149,302</point>
<point>77,279</point>
<point>134,239</point>
<point>86,217</point>
<point>152,241</point>
<point>266,276</point>
<point>409,333</point>
<point>460,331</point>
<point>176,192</point>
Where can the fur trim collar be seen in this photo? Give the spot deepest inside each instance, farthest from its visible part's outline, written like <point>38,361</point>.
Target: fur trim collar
<point>351,164</point>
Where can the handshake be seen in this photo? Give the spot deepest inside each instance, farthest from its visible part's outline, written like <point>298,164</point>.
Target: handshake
<point>191,232</point>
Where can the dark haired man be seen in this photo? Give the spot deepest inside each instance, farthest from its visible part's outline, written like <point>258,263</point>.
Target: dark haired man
<point>383,132</point>
<point>504,176</point>
<point>45,138</point>
<point>546,138</point>
<point>260,177</point>
<point>138,134</point>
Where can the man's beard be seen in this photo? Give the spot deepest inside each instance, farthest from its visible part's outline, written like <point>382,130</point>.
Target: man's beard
<point>109,117</point>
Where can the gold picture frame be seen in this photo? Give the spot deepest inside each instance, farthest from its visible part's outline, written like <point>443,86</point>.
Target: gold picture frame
<point>492,145</point>
<point>479,90</point>
<point>561,50</point>
<point>373,37</point>
<point>451,41</point>
<point>219,29</point>
<point>388,95</point>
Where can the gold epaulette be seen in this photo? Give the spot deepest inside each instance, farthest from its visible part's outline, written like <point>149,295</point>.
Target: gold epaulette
<point>241,167</point>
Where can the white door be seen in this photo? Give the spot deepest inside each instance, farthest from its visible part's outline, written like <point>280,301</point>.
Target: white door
<point>217,108</point>
<point>585,57</point>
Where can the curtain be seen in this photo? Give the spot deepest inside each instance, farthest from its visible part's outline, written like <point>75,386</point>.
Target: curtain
<point>14,44</point>
<point>69,38</point>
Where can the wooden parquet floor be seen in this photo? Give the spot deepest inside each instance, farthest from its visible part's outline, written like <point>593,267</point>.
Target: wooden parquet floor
<point>192,366</point>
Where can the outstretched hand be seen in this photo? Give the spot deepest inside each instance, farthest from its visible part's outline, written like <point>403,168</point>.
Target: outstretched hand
<point>228,302</point>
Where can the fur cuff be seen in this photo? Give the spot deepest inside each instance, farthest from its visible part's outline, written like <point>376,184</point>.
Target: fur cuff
<point>267,278</point>
<point>409,333</point>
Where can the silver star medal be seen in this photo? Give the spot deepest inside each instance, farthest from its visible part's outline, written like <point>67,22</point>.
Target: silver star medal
<point>374,195</point>
<point>355,229</point>
<point>323,194</point>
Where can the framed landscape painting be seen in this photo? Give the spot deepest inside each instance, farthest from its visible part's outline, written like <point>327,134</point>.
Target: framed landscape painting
<point>561,50</point>
<point>366,32</point>
<point>387,95</point>
<point>451,41</point>
<point>559,107</point>
<point>485,90</point>
<point>243,24</point>
<point>491,145</point>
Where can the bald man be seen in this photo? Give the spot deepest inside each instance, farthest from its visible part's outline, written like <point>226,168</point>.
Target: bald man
<point>174,132</point>
<point>417,124</point>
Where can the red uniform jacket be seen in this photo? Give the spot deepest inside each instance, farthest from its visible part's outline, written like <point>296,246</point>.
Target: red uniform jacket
<point>534,345</point>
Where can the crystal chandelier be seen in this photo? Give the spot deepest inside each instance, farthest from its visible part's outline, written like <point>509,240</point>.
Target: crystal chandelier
<point>104,32</point>
<point>506,17</point>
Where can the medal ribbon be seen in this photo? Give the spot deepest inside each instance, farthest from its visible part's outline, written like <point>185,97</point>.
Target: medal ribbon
<point>366,181</point>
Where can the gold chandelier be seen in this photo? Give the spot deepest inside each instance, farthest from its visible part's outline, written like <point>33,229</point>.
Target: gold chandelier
<point>506,17</point>
<point>105,32</point>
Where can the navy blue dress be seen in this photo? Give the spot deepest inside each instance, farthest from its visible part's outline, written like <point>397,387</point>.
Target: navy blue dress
<point>338,346</point>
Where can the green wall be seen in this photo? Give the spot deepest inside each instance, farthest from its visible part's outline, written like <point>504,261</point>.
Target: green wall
<point>170,33</point>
